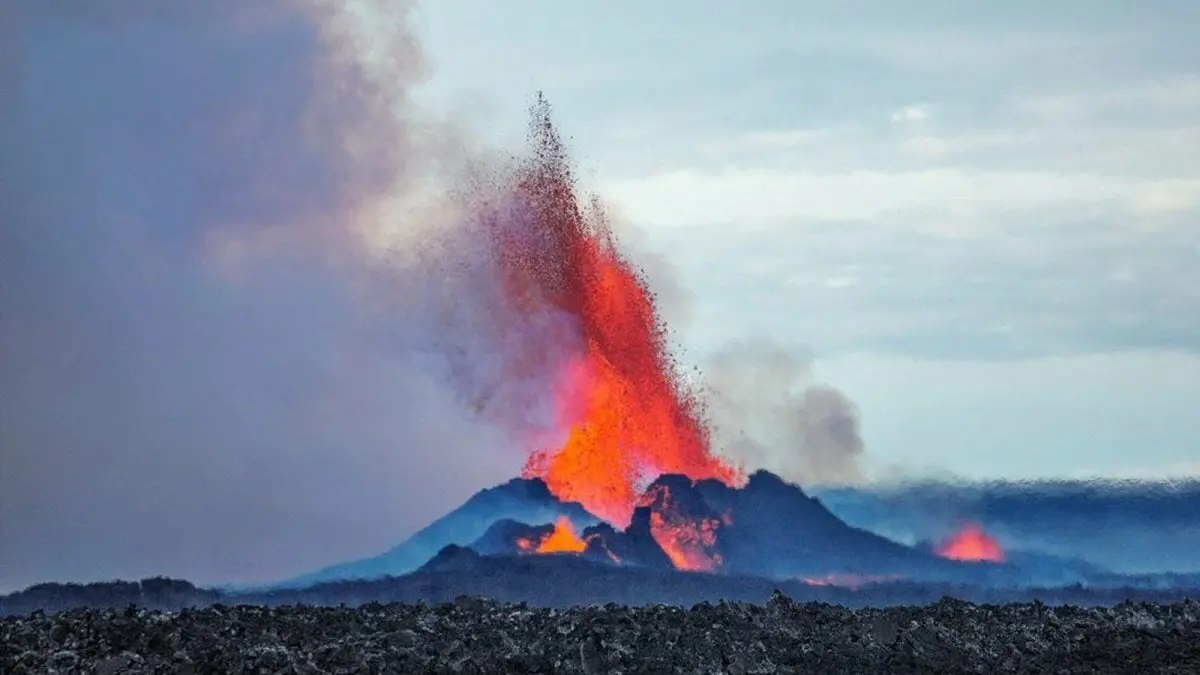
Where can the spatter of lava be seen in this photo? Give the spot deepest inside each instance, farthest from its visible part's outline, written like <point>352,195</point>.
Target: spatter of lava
<point>970,543</point>
<point>629,415</point>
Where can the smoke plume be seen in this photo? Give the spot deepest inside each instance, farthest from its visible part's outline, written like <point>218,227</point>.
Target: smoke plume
<point>221,327</point>
<point>768,413</point>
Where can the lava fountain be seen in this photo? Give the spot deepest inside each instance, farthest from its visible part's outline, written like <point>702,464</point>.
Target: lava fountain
<point>971,544</point>
<point>628,413</point>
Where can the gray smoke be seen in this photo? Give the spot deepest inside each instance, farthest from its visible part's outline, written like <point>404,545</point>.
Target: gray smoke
<point>207,369</point>
<point>769,413</point>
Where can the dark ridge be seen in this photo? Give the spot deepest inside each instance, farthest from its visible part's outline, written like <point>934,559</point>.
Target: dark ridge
<point>1130,527</point>
<point>152,593</point>
<point>525,500</point>
<point>567,581</point>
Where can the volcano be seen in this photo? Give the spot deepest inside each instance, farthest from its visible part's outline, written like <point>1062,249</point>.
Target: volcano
<point>767,528</point>
<point>635,483</point>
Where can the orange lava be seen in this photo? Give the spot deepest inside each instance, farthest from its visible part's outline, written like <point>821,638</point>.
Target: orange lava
<point>563,539</point>
<point>971,544</point>
<point>688,541</point>
<point>630,417</point>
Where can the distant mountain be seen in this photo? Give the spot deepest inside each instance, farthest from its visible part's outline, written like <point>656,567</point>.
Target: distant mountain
<point>1128,526</point>
<point>521,500</point>
<point>155,593</point>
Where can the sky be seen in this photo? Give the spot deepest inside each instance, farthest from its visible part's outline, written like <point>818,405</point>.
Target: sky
<point>978,225</point>
<point>980,218</point>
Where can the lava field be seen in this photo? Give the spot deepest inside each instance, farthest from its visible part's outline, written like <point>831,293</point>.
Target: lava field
<point>471,635</point>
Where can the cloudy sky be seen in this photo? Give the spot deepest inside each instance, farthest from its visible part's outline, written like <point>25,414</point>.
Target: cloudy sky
<point>982,220</point>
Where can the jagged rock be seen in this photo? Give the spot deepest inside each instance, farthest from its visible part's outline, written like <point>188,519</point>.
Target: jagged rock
<point>635,547</point>
<point>481,636</point>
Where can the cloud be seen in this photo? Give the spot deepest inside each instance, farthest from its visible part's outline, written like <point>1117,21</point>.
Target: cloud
<point>910,113</point>
<point>968,235</point>
<point>203,369</point>
<point>772,197</point>
<point>1171,98</point>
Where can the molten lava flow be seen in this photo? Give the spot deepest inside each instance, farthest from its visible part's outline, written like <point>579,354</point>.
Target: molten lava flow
<point>849,580</point>
<point>563,539</point>
<point>971,544</point>
<point>690,542</point>
<point>629,416</point>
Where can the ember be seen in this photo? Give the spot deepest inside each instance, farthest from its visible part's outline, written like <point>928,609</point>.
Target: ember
<point>971,544</point>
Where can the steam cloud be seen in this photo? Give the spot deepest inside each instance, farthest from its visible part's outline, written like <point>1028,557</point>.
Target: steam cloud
<point>208,368</point>
<point>768,413</point>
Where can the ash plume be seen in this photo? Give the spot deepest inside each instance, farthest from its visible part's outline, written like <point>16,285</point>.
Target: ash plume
<point>768,412</point>
<point>221,329</point>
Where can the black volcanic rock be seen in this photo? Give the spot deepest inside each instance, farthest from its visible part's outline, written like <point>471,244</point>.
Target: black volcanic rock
<point>633,547</point>
<point>473,635</point>
<point>526,500</point>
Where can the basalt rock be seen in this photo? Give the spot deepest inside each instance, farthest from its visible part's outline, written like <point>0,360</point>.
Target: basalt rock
<point>472,635</point>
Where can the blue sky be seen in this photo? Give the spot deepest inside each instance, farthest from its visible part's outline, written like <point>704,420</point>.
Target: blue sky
<point>981,218</point>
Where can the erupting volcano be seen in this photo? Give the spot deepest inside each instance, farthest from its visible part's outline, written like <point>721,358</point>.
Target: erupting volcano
<point>635,473</point>
<point>971,544</point>
<point>629,414</point>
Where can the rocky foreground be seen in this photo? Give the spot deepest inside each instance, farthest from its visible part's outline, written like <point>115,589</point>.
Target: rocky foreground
<point>477,636</point>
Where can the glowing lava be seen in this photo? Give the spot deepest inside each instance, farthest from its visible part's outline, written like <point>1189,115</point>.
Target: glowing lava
<point>563,539</point>
<point>971,544</point>
<point>630,417</point>
<point>690,542</point>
